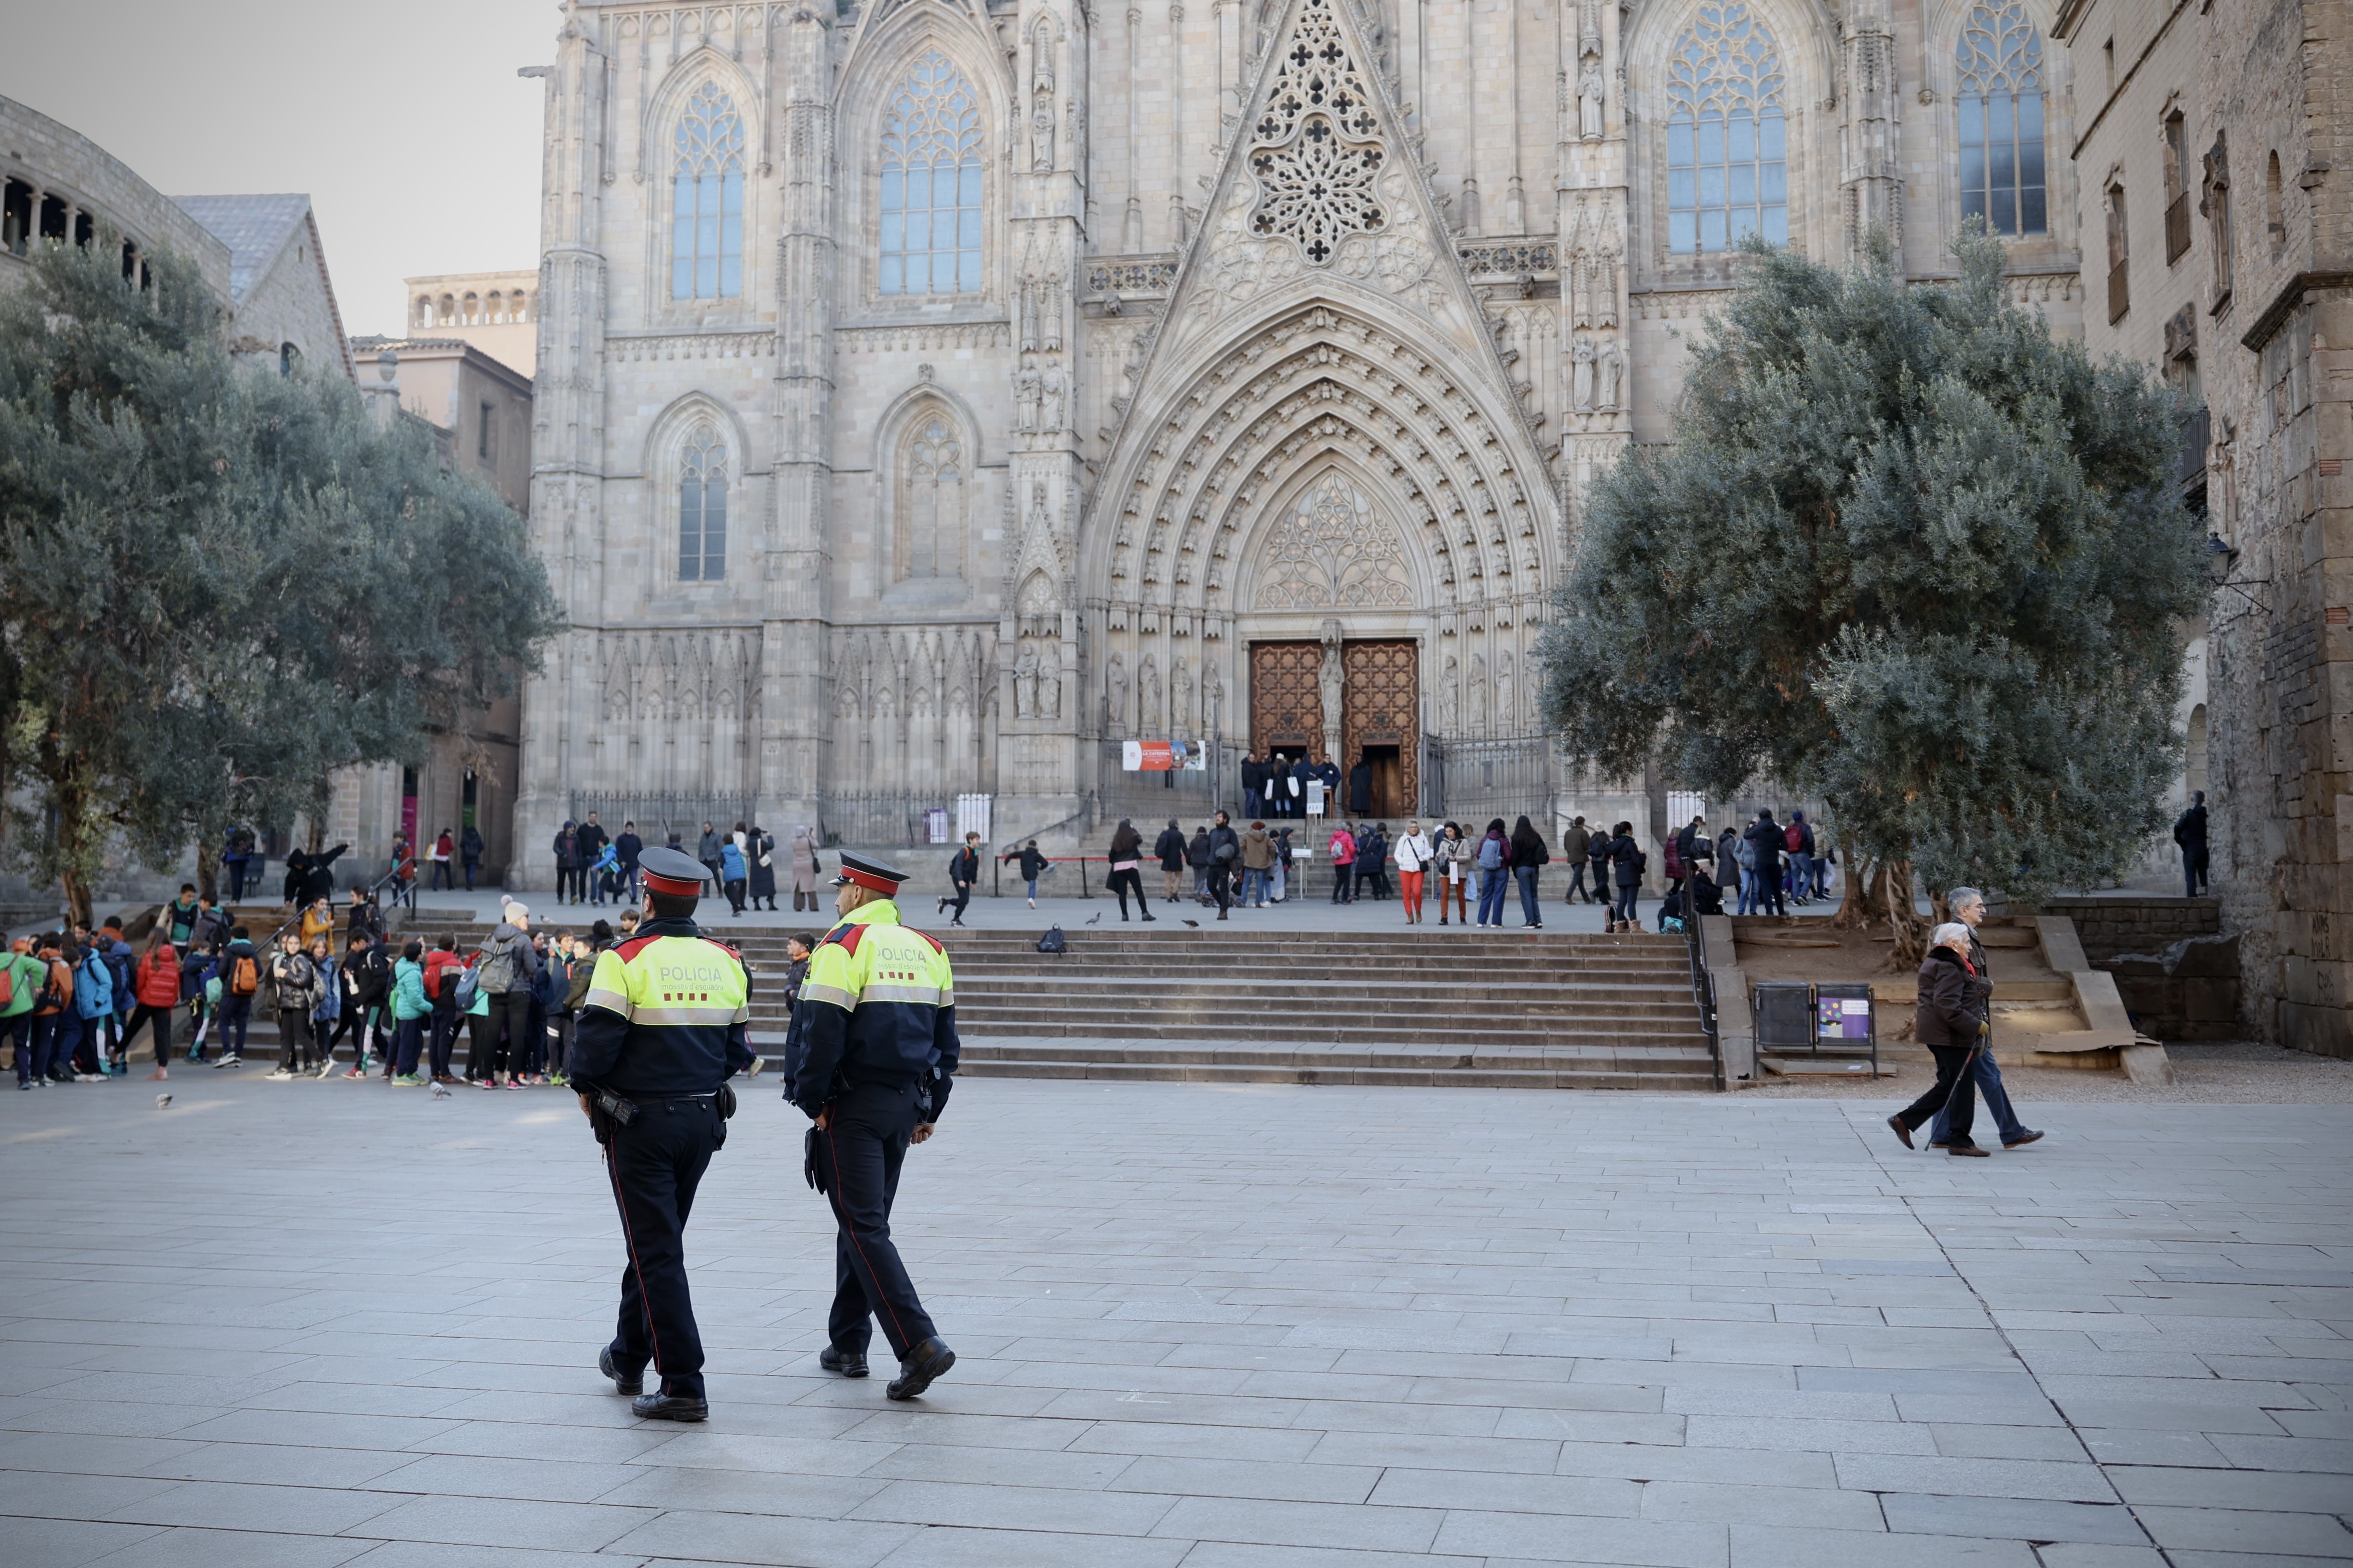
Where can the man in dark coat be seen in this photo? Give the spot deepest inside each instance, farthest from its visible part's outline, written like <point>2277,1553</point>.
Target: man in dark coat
<point>1764,838</point>
<point>1360,787</point>
<point>1253,784</point>
<point>2190,832</point>
<point>1300,772</point>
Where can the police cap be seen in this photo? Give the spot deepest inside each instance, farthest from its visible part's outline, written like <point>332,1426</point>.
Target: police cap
<point>866,871</point>
<point>673,872</point>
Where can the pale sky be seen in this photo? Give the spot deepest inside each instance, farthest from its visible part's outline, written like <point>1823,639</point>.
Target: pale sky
<point>403,120</point>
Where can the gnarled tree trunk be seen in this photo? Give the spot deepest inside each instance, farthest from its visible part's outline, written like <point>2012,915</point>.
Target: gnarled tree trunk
<point>1880,891</point>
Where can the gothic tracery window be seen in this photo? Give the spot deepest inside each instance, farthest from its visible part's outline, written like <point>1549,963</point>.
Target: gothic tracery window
<point>2000,90</point>
<point>1727,170</point>
<point>931,508</point>
<point>930,208</point>
<point>706,251</point>
<point>702,508</point>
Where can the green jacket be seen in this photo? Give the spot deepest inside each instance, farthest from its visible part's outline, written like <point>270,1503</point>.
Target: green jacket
<point>408,1000</point>
<point>26,975</point>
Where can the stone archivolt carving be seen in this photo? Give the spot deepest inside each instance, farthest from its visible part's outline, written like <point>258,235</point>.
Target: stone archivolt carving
<point>1331,549</point>
<point>1319,382</point>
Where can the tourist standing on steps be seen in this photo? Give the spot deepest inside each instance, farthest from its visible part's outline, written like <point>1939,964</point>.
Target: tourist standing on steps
<point>1225,859</point>
<point>1494,862</point>
<point>1414,853</point>
<point>762,849</point>
<point>1767,842</point>
<point>1197,856</point>
<point>1342,848</point>
<point>806,865</point>
<point>1627,863</point>
<point>1124,859</point>
<point>1954,1003</point>
<point>873,1065</point>
<point>651,1069</point>
<point>1171,848</point>
<point>1967,906</point>
<point>1453,872</point>
<point>706,849</point>
<point>1528,856</point>
<point>1258,864</point>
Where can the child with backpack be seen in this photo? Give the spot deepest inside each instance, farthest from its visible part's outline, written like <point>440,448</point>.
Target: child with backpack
<point>293,979</point>
<point>94,1006</point>
<point>240,981</point>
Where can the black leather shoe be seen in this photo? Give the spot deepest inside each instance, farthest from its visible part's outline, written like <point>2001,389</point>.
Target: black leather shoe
<point>669,1407</point>
<point>2025,1135</point>
<point>623,1382</point>
<point>843,1363</point>
<point>919,1367</point>
<point>1895,1125</point>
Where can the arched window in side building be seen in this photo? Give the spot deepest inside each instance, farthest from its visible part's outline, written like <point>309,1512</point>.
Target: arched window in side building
<point>931,184</point>
<point>703,507</point>
<point>2000,90</point>
<point>424,310</point>
<point>498,303</point>
<point>706,253</point>
<point>1727,170</point>
<point>930,511</point>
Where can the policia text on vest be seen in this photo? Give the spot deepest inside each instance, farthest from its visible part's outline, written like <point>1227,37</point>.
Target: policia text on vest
<point>661,1030</point>
<point>871,1058</point>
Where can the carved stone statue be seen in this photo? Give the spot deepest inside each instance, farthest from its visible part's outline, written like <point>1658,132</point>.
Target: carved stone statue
<point>1479,693</point>
<point>1049,405</point>
<point>1024,684</point>
<point>1589,98</point>
<point>1181,694</point>
<point>1606,364</point>
<point>1027,388</point>
<point>1331,682</point>
<point>1049,686</point>
<point>1041,128</point>
<point>1580,378</point>
<point>1450,698</point>
<point>1150,716</point>
<point>1213,696</point>
<point>1506,715</point>
<point>1115,689</point>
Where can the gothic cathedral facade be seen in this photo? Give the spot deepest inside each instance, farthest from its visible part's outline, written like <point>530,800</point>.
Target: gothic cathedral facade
<point>935,393</point>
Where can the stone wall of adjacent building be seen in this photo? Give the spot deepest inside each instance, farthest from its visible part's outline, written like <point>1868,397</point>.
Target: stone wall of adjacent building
<point>55,160</point>
<point>2110,925</point>
<point>2254,317</point>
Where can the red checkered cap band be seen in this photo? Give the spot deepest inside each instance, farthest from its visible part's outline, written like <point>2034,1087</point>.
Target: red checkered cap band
<point>869,880</point>
<point>673,885</point>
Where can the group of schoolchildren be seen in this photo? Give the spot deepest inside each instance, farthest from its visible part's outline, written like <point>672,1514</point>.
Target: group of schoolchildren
<point>73,1002</point>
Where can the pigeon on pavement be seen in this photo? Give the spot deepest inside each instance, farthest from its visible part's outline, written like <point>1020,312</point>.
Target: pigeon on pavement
<point>1094,917</point>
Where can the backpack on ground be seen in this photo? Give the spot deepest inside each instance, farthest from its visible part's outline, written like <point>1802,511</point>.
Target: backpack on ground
<point>1054,942</point>
<point>244,976</point>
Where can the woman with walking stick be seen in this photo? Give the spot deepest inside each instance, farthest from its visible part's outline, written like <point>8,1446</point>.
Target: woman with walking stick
<point>1955,1001</point>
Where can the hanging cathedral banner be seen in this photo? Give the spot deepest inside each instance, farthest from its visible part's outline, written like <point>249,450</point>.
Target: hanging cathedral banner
<point>937,395</point>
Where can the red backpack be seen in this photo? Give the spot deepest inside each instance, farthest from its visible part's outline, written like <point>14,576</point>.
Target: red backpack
<point>1794,836</point>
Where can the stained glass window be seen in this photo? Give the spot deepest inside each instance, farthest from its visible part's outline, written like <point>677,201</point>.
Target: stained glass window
<point>2000,90</point>
<point>931,183</point>
<point>706,252</point>
<point>702,508</point>
<point>1727,170</point>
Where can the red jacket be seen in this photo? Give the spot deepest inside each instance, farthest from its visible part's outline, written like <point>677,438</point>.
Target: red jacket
<point>434,962</point>
<point>156,981</point>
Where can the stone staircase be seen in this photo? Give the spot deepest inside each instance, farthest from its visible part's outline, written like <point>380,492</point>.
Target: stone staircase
<point>1524,1010</point>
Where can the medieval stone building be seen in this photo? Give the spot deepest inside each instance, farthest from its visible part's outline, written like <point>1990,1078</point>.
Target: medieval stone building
<point>935,393</point>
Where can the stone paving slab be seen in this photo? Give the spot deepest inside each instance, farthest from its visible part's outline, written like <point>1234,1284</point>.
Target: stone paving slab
<point>1199,1326</point>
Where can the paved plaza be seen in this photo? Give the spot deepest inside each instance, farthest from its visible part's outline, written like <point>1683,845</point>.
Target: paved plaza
<point>1249,1327</point>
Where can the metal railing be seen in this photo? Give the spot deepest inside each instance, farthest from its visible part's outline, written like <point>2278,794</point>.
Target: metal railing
<point>884,819</point>
<point>1154,797</point>
<point>1508,777</point>
<point>1703,990</point>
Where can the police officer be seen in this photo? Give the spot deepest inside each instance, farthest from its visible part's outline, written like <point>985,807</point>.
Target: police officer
<point>661,1031</point>
<point>870,1057</point>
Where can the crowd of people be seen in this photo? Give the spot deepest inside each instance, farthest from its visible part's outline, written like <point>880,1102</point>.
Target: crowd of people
<point>593,866</point>
<point>75,1000</point>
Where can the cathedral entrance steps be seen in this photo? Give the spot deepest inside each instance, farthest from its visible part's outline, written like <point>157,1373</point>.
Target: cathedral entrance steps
<point>1235,1061</point>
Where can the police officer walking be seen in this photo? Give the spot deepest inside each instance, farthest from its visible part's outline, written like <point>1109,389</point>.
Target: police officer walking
<point>872,1057</point>
<point>661,1031</point>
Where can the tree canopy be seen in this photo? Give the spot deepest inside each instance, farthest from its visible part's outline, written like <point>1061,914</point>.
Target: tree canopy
<point>218,585</point>
<point>1909,554</point>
